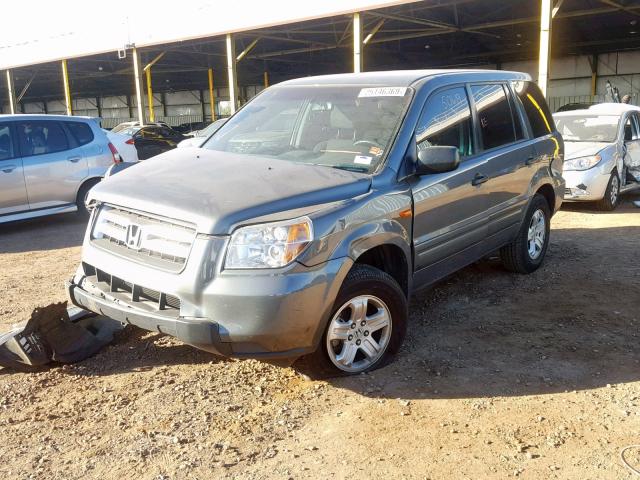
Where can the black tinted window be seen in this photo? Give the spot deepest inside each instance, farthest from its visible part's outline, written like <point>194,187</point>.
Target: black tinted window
<point>494,115</point>
<point>7,145</point>
<point>39,137</point>
<point>446,121</point>
<point>535,108</point>
<point>81,132</point>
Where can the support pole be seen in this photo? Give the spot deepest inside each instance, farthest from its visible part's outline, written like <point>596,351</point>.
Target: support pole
<point>357,43</point>
<point>545,45</point>
<point>152,115</point>
<point>212,98</point>
<point>12,93</point>
<point>231,71</point>
<point>67,90</point>
<point>138,82</point>
<point>594,74</point>
<point>266,79</point>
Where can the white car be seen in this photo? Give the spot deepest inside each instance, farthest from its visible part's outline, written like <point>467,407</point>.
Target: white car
<point>125,146</point>
<point>602,152</point>
<point>200,136</point>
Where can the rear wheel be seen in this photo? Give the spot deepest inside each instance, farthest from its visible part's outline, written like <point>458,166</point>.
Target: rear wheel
<point>81,200</point>
<point>611,195</point>
<point>526,253</point>
<point>367,326</point>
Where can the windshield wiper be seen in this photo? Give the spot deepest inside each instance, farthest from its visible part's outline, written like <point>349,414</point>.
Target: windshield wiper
<point>345,166</point>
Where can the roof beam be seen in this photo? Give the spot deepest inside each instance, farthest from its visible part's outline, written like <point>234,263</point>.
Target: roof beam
<point>618,6</point>
<point>556,8</point>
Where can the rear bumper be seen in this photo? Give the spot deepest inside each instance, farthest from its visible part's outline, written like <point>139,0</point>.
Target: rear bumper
<point>252,315</point>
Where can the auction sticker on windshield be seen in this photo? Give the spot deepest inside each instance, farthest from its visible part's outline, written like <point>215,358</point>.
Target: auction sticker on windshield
<point>382,92</point>
<point>362,160</point>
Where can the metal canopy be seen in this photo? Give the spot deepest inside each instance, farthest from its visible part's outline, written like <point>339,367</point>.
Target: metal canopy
<point>426,34</point>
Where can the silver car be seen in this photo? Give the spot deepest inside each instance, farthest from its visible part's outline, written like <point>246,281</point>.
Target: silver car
<point>48,164</point>
<point>602,152</point>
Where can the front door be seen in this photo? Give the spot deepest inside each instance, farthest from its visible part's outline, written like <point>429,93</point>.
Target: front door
<point>631,147</point>
<point>13,191</point>
<point>449,208</point>
<point>54,166</point>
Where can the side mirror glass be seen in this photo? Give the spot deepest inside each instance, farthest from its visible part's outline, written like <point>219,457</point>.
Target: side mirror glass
<point>437,159</point>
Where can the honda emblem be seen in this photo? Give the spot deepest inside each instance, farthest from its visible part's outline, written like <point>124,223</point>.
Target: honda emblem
<point>134,236</point>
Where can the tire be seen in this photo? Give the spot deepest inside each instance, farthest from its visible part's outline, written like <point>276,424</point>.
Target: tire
<point>364,285</point>
<point>520,256</point>
<point>82,194</point>
<point>611,195</point>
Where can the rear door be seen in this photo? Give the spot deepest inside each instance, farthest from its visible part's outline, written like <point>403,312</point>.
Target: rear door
<point>54,164</point>
<point>449,208</point>
<point>508,152</point>
<point>13,191</point>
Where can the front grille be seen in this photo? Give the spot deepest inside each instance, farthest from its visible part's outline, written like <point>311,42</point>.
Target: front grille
<point>150,240</point>
<point>130,292</point>
<point>567,191</point>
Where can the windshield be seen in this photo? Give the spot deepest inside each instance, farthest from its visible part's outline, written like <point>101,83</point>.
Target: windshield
<point>588,128</point>
<point>211,128</point>
<point>345,126</point>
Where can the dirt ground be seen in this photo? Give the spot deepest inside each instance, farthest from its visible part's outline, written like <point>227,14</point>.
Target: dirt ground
<point>501,375</point>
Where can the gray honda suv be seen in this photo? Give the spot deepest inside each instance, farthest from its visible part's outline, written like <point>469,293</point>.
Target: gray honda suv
<point>303,225</point>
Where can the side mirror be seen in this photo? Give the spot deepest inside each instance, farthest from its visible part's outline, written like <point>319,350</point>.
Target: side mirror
<point>437,159</point>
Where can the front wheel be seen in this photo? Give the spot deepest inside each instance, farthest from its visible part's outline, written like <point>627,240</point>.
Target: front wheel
<point>367,325</point>
<point>611,195</point>
<point>526,253</point>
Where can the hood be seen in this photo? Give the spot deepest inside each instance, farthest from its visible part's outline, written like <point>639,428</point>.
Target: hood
<point>582,149</point>
<point>218,190</point>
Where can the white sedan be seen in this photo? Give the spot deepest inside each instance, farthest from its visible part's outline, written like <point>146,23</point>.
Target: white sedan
<point>601,152</point>
<point>125,146</point>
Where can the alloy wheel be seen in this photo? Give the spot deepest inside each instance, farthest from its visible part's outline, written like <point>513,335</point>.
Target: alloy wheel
<point>359,333</point>
<point>536,235</point>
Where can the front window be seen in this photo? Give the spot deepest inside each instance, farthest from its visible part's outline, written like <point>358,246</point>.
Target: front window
<point>342,126</point>
<point>588,128</point>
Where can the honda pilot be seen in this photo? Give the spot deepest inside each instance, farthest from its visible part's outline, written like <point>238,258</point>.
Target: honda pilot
<point>303,225</point>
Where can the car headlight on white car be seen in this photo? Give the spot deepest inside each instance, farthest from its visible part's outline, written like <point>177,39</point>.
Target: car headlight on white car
<point>268,245</point>
<point>582,163</point>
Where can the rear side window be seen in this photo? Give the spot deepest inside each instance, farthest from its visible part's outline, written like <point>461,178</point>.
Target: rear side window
<point>7,144</point>
<point>40,137</point>
<point>535,108</point>
<point>446,121</point>
<point>81,132</point>
<point>494,115</point>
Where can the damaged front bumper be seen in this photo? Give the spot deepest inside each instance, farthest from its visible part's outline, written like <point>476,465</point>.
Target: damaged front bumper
<point>259,314</point>
<point>586,185</point>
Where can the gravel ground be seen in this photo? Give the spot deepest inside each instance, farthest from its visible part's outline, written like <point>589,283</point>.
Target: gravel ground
<point>501,375</point>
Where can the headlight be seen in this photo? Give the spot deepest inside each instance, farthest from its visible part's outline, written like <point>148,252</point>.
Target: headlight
<point>270,245</point>
<point>582,163</point>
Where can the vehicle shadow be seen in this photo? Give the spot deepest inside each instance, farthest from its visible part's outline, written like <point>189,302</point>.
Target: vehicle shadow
<point>45,233</point>
<point>572,325</point>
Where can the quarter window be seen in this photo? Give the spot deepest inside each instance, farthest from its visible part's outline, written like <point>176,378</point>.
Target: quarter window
<point>446,121</point>
<point>40,137</point>
<point>81,132</point>
<point>494,115</point>
<point>7,145</point>
<point>535,108</point>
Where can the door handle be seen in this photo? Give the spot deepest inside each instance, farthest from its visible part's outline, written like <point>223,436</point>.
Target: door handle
<point>529,160</point>
<point>74,159</point>
<point>479,179</point>
<point>8,168</point>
